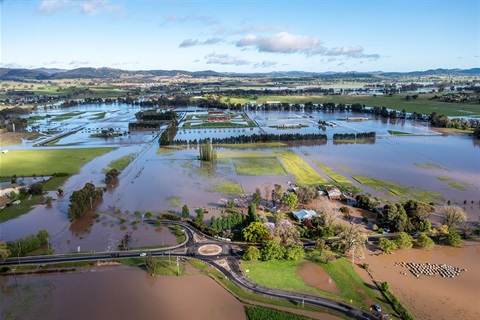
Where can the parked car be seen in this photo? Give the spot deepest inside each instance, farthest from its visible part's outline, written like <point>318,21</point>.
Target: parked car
<point>143,254</point>
<point>377,308</point>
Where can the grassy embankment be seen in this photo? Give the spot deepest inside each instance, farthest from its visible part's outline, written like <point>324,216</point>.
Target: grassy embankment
<point>282,274</point>
<point>422,104</point>
<point>120,163</point>
<point>40,163</point>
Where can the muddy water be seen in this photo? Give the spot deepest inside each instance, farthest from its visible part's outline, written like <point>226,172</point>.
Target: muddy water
<point>432,297</point>
<point>315,276</point>
<point>117,293</point>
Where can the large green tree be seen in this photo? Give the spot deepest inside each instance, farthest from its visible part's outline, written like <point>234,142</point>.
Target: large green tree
<point>396,218</point>
<point>256,232</point>
<point>403,240</point>
<point>272,250</point>
<point>185,211</point>
<point>43,236</point>
<point>150,264</point>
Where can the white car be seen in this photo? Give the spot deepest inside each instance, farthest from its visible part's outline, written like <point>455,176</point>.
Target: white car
<point>143,254</point>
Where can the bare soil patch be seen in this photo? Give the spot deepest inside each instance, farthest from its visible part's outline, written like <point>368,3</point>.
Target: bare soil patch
<point>315,276</point>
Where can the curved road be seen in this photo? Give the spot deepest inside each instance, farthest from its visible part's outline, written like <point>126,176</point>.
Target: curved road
<point>190,248</point>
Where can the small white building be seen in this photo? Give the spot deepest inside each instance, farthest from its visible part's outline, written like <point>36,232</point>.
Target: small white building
<point>304,214</point>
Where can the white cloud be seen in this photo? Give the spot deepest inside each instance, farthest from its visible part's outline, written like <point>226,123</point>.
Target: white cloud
<point>88,7</point>
<point>49,6</point>
<point>283,42</point>
<point>265,64</point>
<point>195,42</point>
<point>224,59</point>
<point>351,52</point>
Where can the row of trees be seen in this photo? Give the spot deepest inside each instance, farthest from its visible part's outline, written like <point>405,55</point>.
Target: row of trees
<point>168,135</point>
<point>82,200</point>
<point>354,136</point>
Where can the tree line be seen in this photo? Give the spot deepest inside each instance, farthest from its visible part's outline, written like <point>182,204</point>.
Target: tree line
<point>354,136</point>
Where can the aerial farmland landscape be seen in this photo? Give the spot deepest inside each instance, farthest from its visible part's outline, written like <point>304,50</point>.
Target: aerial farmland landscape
<point>211,160</point>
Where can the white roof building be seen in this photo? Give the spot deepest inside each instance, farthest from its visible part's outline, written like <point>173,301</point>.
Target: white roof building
<point>304,214</point>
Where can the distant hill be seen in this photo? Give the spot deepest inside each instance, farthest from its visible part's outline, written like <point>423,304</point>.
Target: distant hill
<point>50,70</point>
<point>111,73</point>
<point>23,74</point>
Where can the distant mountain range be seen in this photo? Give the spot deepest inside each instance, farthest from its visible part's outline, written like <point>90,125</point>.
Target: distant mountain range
<point>111,73</point>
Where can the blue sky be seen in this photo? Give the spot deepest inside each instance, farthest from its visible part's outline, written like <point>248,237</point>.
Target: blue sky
<point>241,36</point>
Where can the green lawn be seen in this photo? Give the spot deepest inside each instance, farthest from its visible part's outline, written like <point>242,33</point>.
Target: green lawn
<point>47,162</point>
<point>304,174</point>
<point>258,166</point>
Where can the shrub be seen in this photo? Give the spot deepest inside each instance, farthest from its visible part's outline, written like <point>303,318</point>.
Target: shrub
<point>251,254</point>
<point>424,241</point>
<point>385,286</point>
<point>454,239</point>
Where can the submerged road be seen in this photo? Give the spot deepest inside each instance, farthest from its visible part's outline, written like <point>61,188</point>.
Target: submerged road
<point>231,270</point>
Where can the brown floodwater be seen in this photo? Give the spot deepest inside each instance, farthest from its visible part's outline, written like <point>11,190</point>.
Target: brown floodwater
<point>431,297</point>
<point>116,293</point>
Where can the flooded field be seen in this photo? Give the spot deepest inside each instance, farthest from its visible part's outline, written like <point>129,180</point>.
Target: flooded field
<point>116,293</point>
<point>430,168</point>
<point>432,297</point>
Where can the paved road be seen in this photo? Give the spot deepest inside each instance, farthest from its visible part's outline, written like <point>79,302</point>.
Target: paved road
<point>190,248</point>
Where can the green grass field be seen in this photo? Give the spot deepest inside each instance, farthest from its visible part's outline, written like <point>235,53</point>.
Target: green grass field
<point>304,174</point>
<point>258,166</point>
<point>47,162</point>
